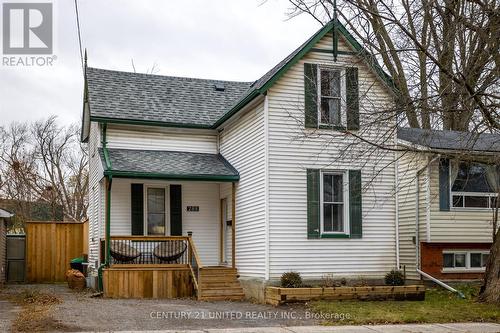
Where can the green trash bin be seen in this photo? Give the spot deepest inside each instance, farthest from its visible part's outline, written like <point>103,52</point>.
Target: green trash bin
<point>77,263</point>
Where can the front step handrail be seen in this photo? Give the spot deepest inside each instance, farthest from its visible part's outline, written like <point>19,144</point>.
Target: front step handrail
<point>194,264</point>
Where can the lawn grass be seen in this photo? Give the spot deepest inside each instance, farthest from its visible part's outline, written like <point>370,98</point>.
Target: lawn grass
<point>440,306</point>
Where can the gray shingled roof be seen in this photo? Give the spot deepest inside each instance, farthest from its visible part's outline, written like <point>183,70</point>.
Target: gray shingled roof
<point>157,98</point>
<point>168,164</point>
<point>451,140</point>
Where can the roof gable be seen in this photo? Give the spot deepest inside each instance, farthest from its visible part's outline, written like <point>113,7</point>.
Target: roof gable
<point>267,80</point>
<point>123,97</point>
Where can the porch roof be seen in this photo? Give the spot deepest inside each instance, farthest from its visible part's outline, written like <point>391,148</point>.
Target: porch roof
<point>171,165</point>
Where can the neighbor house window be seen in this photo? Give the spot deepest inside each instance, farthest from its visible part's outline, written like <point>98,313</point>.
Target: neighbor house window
<point>473,185</point>
<point>333,202</point>
<point>155,208</point>
<point>464,260</point>
<point>330,94</point>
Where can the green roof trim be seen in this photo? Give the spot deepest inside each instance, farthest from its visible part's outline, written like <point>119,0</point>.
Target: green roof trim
<point>146,122</point>
<point>262,85</point>
<point>192,177</point>
<point>315,39</point>
<point>309,46</point>
<point>237,107</point>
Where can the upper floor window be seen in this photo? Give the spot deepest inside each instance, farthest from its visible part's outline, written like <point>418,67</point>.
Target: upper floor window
<point>474,185</point>
<point>332,89</point>
<point>331,97</point>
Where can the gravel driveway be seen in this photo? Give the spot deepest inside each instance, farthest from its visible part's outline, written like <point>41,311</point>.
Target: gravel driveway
<point>80,311</point>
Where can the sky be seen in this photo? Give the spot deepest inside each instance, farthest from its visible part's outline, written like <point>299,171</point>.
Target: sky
<point>218,39</point>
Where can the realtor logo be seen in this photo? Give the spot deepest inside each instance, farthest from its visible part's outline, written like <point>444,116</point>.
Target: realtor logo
<point>27,28</point>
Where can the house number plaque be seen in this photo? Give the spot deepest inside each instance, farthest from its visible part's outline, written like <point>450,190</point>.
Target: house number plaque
<point>193,208</point>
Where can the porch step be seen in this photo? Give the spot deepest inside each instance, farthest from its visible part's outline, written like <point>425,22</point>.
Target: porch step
<point>219,283</point>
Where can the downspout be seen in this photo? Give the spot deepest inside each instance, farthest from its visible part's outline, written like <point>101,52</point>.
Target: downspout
<point>417,210</point>
<point>396,187</point>
<point>266,186</point>
<point>417,241</point>
<point>109,182</point>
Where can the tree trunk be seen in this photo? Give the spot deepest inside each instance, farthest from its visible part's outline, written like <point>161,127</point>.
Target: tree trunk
<point>490,291</point>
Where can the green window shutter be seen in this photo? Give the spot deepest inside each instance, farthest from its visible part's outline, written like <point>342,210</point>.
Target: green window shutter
<point>313,201</point>
<point>352,98</point>
<point>355,209</point>
<point>444,185</point>
<point>311,95</point>
<point>175,210</point>
<point>137,209</point>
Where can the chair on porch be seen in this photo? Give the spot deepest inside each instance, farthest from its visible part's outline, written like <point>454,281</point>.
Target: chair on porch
<point>123,252</point>
<point>170,251</point>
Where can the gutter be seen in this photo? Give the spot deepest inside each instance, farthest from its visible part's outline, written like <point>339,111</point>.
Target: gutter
<point>417,241</point>
<point>396,195</point>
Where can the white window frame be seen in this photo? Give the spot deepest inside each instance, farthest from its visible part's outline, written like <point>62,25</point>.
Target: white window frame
<point>167,207</point>
<point>345,184</point>
<point>343,89</point>
<point>467,268</point>
<point>470,194</point>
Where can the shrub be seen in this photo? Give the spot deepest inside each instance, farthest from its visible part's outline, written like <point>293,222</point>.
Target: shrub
<point>291,280</point>
<point>394,278</point>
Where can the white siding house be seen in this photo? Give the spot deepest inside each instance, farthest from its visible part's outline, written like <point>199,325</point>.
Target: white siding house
<point>308,153</point>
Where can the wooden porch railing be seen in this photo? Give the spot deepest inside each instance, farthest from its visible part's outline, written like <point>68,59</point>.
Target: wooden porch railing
<point>194,264</point>
<point>150,251</point>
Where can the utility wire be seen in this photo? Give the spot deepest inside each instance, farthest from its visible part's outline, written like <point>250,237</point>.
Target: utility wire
<point>79,34</point>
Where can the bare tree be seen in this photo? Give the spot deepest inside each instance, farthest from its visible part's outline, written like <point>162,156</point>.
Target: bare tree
<point>44,162</point>
<point>443,57</point>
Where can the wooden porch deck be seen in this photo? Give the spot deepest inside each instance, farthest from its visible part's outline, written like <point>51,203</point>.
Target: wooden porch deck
<point>154,278</point>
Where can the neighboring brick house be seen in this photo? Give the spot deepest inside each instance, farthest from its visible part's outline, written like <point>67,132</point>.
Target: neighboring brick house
<point>4,215</point>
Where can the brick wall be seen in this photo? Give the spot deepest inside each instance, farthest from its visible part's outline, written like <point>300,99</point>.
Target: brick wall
<point>3,250</point>
<point>432,259</point>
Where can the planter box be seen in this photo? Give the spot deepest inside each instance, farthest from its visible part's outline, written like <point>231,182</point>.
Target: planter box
<point>278,295</point>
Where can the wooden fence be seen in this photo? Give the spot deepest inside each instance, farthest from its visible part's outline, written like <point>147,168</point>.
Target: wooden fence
<point>50,246</point>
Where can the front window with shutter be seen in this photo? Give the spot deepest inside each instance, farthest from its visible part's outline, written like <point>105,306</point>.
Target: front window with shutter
<point>331,90</point>
<point>334,204</point>
<point>334,194</point>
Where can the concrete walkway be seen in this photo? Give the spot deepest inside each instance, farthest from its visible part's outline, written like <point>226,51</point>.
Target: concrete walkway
<point>408,328</point>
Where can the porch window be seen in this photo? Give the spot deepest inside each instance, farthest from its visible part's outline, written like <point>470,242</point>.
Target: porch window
<point>474,185</point>
<point>330,95</point>
<point>464,260</point>
<point>156,211</point>
<point>333,205</point>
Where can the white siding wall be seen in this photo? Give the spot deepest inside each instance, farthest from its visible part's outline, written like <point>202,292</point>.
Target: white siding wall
<point>457,225</point>
<point>290,156</point>
<point>242,144</point>
<point>225,193</point>
<point>158,138</point>
<point>470,226</point>
<point>96,207</point>
<point>408,165</point>
<point>204,224</point>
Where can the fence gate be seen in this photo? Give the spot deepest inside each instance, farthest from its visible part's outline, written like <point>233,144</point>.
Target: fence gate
<point>49,248</point>
<point>16,245</point>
